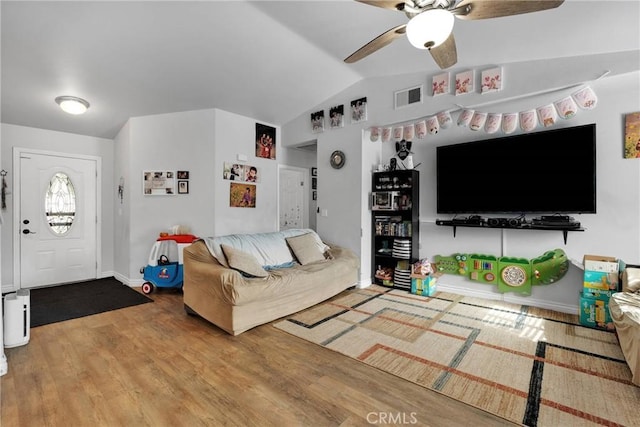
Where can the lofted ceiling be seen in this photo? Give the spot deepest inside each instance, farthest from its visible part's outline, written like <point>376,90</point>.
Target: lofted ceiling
<point>269,60</point>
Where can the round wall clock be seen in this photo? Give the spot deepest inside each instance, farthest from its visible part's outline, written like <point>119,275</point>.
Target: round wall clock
<point>337,159</point>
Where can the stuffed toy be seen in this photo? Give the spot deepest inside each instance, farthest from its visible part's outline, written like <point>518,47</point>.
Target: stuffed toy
<point>403,149</point>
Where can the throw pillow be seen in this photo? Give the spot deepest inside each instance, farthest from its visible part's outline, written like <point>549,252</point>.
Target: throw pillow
<point>305,248</point>
<point>243,262</point>
<point>631,279</point>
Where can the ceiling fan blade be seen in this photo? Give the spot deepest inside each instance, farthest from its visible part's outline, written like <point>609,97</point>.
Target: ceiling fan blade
<point>379,42</point>
<point>484,9</point>
<point>385,4</point>
<point>445,54</point>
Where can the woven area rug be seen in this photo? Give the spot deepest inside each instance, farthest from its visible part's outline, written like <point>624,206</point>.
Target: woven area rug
<point>531,366</point>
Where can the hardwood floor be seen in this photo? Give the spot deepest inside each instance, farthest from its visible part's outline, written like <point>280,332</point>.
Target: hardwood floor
<point>153,365</point>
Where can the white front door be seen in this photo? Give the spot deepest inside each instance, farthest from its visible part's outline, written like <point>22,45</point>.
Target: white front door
<point>57,220</point>
<point>291,198</point>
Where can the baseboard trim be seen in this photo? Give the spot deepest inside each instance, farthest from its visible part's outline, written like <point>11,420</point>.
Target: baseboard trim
<point>478,293</point>
<point>513,299</point>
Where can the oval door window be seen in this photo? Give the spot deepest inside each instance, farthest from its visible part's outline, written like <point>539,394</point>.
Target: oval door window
<point>60,204</point>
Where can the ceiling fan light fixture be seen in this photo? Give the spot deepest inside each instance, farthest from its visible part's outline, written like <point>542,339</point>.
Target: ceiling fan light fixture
<point>430,28</point>
<point>72,104</point>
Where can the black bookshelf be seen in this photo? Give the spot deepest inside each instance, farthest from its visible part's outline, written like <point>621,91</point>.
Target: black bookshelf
<point>395,204</point>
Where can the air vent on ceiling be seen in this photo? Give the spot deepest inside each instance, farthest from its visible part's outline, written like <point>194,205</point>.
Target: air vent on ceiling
<point>406,97</point>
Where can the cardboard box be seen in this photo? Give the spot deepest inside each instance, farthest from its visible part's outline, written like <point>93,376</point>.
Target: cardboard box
<point>601,281</point>
<point>600,263</point>
<point>424,285</point>
<point>601,275</point>
<point>597,293</point>
<point>594,313</point>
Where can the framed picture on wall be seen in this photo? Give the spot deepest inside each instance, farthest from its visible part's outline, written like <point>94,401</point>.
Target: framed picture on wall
<point>317,121</point>
<point>158,183</point>
<point>183,187</point>
<point>314,171</point>
<point>242,195</point>
<point>359,110</point>
<point>265,141</point>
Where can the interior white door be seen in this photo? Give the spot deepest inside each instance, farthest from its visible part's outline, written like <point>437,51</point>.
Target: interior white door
<point>291,198</point>
<point>57,222</point>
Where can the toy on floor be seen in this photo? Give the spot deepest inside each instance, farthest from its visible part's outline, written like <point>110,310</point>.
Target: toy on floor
<point>165,264</point>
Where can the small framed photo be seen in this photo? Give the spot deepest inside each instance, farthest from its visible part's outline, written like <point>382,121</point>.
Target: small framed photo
<point>336,116</point>
<point>183,187</point>
<point>314,183</point>
<point>358,110</point>
<point>242,195</point>
<point>314,171</point>
<point>464,83</point>
<point>492,80</point>
<point>158,183</point>
<point>440,84</point>
<point>317,121</point>
<point>314,195</point>
<point>183,174</point>
<point>265,141</point>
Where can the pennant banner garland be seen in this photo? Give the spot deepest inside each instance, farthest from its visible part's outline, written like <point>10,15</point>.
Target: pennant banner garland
<point>492,122</point>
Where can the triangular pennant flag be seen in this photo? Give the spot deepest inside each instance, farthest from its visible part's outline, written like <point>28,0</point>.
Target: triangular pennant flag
<point>397,133</point>
<point>444,118</point>
<point>585,98</point>
<point>493,122</point>
<point>566,107</point>
<point>465,118</point>
<point>375,134</point>
<point>432,125</point>
<point>408,132</point>
<point>547,115</point>
<point>528,120</point>
<point>509,122</point>
<point>478,120</point>
<point>386,134</point>
<point>421,129</point>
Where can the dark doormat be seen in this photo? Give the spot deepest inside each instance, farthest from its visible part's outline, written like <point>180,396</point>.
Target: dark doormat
<point>65,302</point>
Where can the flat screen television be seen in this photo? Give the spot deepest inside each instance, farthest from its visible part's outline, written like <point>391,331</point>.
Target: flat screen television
<point>551,171</point>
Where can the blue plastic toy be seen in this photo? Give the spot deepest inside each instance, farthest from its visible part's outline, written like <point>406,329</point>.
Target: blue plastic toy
<point>165,264</point>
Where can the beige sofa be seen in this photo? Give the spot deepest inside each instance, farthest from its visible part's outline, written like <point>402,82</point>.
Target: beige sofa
<point>625,312</point>
<point>241,281</point>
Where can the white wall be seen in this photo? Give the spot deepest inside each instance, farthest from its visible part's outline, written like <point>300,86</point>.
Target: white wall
<point>235,135</point>
<point>122,206</point>
<point>167,142</point>
<point>39,139</point>
<point>613,231</point>
<point>199,142</point>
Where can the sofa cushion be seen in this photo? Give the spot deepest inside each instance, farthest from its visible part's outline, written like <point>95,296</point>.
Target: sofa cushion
<point>269,249</point>
<point>305,248</point>
<point>243,262</point>
<point>631,279</point>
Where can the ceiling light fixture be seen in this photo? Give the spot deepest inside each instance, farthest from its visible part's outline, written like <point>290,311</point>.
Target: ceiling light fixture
<point>72,104</point>
<point>430,28</point>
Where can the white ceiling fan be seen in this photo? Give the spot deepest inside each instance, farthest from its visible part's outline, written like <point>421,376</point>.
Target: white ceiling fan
<point>431,23</point>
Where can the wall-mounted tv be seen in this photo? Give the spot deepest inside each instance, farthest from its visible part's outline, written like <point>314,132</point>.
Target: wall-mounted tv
<point>550,171</point>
